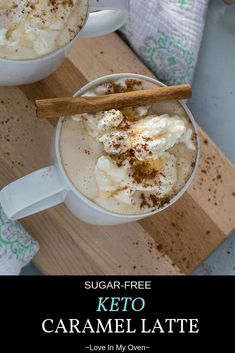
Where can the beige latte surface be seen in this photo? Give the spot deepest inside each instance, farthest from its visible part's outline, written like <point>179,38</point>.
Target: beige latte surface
<point>33,28</point>
<point>131,161</point>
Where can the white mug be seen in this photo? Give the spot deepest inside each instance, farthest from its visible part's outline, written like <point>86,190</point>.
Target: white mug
<point>51,186</point>
<point>103,17</point>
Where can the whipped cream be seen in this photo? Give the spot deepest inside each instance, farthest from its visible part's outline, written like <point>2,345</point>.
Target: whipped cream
<point>3,34</point>
<point>109,120</point>
<point>116,142</point>
<point>41,26</point>
<point>120,183</point>
<point>154,135</point>
<point>102,122</point>
<point>149,138</point>
<point>187,139</point>
<point>142,111</point>
<point>110,177</point>
<point>148,141</point>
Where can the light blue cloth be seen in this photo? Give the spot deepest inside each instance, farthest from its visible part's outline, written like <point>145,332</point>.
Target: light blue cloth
<point>166,34</point>
<point>17,248</point>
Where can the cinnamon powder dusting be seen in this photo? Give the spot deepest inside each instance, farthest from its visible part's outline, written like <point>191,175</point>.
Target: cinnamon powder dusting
<point>153,201</point>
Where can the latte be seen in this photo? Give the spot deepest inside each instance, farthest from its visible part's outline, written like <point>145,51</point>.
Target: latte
<point>131,161</point>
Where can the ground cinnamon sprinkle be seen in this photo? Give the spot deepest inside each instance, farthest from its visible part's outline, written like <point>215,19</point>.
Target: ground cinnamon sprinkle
<point>144,202</point>
<point>117,88</point>
<point>161,201</point>
<point>61,2</point>
<point>142,171</point>
<point>131,84</point>
<point>159,247</point>
<point>153,201</point>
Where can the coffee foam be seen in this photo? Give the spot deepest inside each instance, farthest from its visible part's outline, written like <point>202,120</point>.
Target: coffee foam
<point>80,152</point>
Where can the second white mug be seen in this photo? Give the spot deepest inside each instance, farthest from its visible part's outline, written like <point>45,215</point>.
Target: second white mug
<point>103,17</point>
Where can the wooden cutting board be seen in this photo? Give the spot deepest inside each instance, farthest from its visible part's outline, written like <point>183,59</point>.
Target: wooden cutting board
<point>173,242</point>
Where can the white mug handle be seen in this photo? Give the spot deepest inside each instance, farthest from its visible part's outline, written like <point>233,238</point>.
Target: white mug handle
<point>110,15</point>
<point>33,193</point>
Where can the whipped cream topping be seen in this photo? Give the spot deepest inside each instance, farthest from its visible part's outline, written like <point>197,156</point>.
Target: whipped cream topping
<point>116,142</point>
<point>110,177</point>
<point>154,135</point>
<point>3,34</point>
<point>187,139</point>
<point>137,152</point>
<point>41,26</point>
<point>101,123</point>
<point>141,111</point>
<point>121,182</point>
<point>109,120</point>
<point>148,137</point>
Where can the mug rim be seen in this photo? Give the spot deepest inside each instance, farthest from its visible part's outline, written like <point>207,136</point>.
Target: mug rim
<point>92,204</point>
<point>54,52</point>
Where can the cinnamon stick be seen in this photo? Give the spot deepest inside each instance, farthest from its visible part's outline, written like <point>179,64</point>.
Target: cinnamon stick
<point>57,107</point>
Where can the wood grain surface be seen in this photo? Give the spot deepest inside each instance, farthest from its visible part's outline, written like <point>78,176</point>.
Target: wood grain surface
<point>173,242</point>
